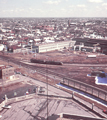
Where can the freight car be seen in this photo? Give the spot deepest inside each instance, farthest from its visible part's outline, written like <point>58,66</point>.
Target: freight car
<point>46,62</point>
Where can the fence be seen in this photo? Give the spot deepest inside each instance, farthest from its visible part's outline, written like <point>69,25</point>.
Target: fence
<point>97,92</point>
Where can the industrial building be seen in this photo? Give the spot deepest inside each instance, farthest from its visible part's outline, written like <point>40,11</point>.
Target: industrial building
<point>54,46</point>
<point>88,44</point>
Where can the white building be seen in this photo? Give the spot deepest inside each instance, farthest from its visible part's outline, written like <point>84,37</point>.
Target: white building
<point>1,47</point>
<point>54,46</point>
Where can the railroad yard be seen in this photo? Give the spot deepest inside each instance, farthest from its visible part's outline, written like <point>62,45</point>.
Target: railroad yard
<point>76,65</point>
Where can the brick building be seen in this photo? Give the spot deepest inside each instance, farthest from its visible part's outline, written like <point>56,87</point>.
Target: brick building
<point>6,72</point>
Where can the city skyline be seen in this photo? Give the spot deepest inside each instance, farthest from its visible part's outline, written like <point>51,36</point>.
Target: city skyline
<point>53,8</point>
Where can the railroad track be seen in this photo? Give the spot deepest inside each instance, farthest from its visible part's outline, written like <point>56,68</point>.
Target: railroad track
<point>41,69</point>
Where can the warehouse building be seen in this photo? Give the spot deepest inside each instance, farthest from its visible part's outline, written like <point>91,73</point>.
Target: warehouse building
<point>54,46</point>
<point>88,44</point>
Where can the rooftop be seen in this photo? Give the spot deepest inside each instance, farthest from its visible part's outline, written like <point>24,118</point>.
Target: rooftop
<point>37,108</point>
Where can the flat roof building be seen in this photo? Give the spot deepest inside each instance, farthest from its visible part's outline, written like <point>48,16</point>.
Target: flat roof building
<point>6,72</point>
<point>54,46</point>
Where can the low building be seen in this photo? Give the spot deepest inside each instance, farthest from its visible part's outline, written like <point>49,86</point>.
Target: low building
<point>1,47</point>
<point>97,73</point>
<point>6,72</point>
<point>17,49</point>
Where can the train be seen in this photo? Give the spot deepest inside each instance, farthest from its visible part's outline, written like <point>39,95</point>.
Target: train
<point>46,62</point>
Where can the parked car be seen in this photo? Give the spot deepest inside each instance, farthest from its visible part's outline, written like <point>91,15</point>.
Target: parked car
<point>105,111</point>
<point>18,72</point>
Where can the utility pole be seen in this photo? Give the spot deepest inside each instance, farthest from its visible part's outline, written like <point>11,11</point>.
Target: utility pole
<point>54,80</point>
<point>8,62</point>
<point>2,85</point>
<point>31,47</point>
<point>47,88</point>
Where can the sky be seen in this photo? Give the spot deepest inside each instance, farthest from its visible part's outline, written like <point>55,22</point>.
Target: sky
<point>53,8</point>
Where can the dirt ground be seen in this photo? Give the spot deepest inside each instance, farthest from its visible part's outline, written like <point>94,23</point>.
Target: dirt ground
<point>64,56</point>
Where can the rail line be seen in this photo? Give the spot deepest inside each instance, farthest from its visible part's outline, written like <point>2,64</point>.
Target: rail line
<point>42,69</point>
<point>45,68</point>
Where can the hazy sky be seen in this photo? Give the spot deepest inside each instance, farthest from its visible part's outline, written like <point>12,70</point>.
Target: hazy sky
<point>53,8</point>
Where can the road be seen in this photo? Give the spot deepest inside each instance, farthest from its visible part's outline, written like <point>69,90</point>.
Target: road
<point>87,65</point>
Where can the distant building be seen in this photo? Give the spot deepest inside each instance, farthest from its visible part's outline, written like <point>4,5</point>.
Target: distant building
<point>97,45</point>
<point>17,49</point>
<point>68,23</point>
<point>1,47</point>
<point>54,46</point>
<point>48,28</point>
